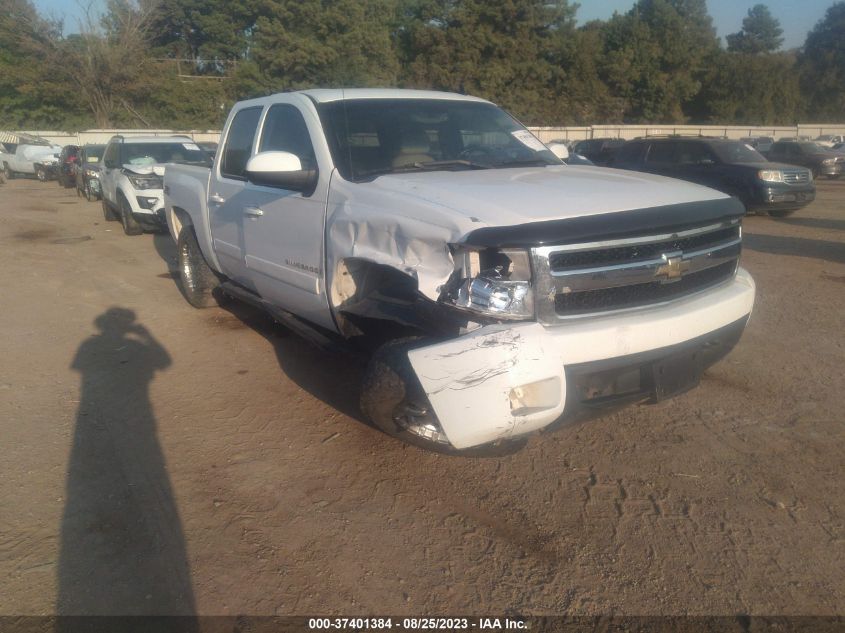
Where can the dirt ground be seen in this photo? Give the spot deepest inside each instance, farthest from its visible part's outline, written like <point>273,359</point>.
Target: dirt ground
<point>161,459</point>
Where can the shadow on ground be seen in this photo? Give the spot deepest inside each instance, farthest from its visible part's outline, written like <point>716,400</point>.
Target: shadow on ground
<point>333,378</point>
<point>816,223</point>
<point>122,549</point>
<point>796,246</point>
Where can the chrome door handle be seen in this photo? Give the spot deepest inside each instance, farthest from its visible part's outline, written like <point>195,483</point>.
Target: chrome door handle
<point>253,211</point>
<point>216,199</point>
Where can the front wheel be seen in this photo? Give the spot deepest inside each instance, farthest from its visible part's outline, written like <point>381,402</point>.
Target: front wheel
<point>198,282</point>
<point>10,175</point>
<point>395,402</point>
<point>41,174</point>
<point>130,224</point>
<point>108,212</point>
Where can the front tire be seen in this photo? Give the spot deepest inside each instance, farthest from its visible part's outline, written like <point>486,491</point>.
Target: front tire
<point>108,212</point>
<point>41,174</point>
<point>130,224</point>
<point>394,401</point>
<point>10,175</point>
<point>198,282</point>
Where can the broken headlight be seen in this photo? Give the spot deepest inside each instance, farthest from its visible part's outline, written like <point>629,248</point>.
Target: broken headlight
<point>494,282</point>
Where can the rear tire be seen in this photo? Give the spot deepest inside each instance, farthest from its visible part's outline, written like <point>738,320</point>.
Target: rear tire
<point>199,283</point>
<point>130,224</point>
<point>10,175</point>
<point>391,390</point>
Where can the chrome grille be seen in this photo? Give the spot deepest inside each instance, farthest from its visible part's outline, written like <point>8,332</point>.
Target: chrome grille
<point>579,279</point>
<point>796,176</point>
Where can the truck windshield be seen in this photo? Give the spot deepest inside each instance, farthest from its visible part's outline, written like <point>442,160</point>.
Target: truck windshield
<point>736,152</point>
<point>158,153</point>
<point>370,137</point>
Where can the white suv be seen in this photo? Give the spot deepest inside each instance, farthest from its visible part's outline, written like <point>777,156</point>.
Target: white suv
<point>132,173</point>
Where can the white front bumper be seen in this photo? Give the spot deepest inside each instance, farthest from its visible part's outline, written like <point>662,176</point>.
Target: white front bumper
<point>509,379</point>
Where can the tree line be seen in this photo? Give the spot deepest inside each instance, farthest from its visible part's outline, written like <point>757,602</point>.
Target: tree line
<point>182,63</point>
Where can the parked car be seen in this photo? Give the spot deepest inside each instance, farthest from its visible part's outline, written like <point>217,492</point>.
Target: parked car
<point>760,143</point>
<point>131,177</point>
<point>822,161</point>
<point>839,147</point>
<point>562,152</point>
<point>435,232</point>
<point>599,150</point>
<point>30,159</point>
<point>67,166</point>
<point>728,166</point>
<point>829,140</point>
<point>88,174</point>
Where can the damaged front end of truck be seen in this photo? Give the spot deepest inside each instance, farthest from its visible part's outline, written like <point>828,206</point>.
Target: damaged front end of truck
<point>488,334</point>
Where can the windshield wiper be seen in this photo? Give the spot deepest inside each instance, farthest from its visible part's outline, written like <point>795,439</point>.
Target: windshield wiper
<point>418,166</point>
<point>531,162</point>
<point>434,164</point>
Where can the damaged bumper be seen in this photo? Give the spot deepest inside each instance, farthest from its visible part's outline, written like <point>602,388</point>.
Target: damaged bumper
<point>506,380</point>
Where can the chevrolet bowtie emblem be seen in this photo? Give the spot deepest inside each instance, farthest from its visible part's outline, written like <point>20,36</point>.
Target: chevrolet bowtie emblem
<point>673,268</point>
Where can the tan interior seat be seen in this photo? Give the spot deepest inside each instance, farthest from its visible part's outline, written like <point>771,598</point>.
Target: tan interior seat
<point>414,147</point>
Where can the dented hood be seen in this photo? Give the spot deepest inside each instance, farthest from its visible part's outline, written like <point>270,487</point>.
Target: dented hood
<point>501,197</point>
<point>408,221</point>
<point>145,170</point>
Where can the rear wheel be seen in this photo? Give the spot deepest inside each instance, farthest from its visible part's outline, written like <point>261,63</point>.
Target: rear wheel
<point>198,282</point>
<point>394,401</point>
<point>130,224</point>
<point>10,175</point>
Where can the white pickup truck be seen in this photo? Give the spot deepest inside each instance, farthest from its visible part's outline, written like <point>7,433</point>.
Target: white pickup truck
<point>27,159</point>
<point>500,291</point>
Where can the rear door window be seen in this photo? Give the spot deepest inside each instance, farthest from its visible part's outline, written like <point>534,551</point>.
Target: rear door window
<point>694,153</point>
<point>239,143</point>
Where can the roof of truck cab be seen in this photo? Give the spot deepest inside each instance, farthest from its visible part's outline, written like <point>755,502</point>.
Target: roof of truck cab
<point>155,139</point>
<point>324,95</point>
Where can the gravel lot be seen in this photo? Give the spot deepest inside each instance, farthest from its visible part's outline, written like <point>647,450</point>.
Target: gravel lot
<point>161,459</point>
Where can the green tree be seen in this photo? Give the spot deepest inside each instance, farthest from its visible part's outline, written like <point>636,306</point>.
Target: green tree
<point>507,51</point>
<point>320,43</point>
<point>822,66</point>
<point>203,29</point>
<point>32,95</point>
<point>656,56</point>
<point>739,89</point>
<point>761,32</point>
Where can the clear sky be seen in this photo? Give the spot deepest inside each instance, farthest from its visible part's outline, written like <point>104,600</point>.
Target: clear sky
<point>796,16</point>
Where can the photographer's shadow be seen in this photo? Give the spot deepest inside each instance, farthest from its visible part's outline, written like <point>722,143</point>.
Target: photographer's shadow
<point>122,548</point>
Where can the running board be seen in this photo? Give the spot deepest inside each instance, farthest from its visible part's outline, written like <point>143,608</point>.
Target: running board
<point>312,334</point>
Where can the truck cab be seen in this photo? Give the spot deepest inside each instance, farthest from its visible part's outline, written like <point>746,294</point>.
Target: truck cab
<point>497,291</point>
